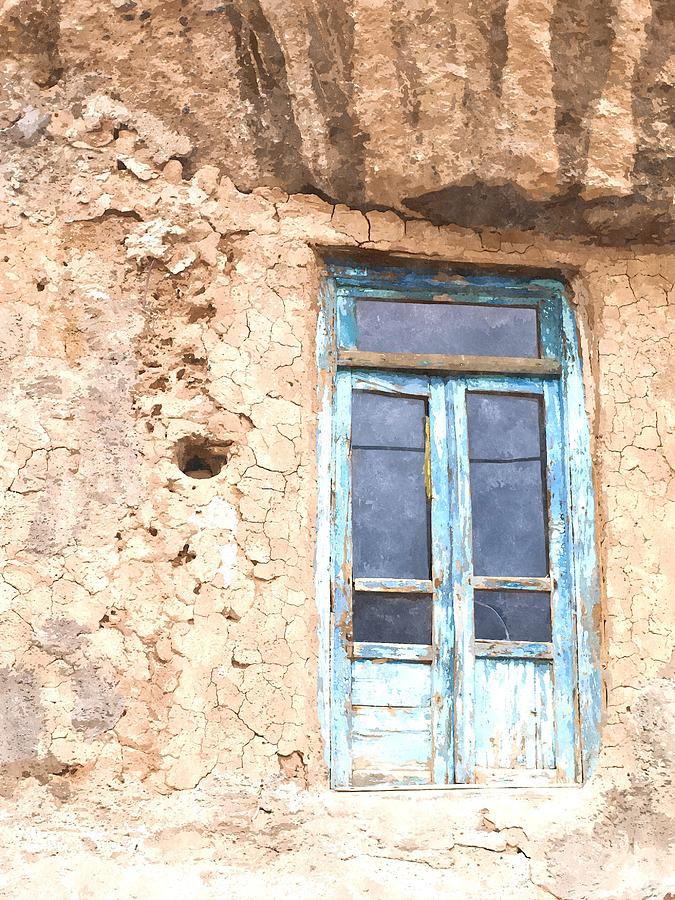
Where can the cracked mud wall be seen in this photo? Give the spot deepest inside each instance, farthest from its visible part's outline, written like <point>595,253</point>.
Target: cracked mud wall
<point>158,628</point>
<point>158,640</point>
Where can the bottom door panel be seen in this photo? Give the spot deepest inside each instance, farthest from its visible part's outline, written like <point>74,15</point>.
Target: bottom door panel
<point>391,723</point>
<point>514,720</point>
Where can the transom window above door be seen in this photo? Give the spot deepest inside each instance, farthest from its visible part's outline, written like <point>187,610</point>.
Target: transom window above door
<point>457,651</point>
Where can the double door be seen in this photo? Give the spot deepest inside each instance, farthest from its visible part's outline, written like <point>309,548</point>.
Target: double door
<point>452,654</point>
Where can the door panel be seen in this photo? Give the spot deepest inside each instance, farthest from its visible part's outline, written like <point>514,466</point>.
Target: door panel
<point>391,723</point>
<point>513,714</point>
<point>452,655</point>
<point>385,598</point>
<point>510,538</point>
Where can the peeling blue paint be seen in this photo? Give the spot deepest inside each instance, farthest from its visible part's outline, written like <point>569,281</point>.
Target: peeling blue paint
<point>430,716</point>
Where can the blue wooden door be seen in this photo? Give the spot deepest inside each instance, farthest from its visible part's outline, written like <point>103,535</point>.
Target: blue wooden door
<point>452,627</point>
<point>512,595</point>
<point>392,628</point>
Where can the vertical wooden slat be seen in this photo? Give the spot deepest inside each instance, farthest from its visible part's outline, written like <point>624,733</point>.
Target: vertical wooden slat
<point>442,673</point>
<point>512,714</point>
<point>462,592</point>
<point>325,362</point>
<point>550,327</point>
<point>545,758</point>
<point>346,319</point>
<point>562,606</point>
<point>341,544</point>
<point>586,579</point>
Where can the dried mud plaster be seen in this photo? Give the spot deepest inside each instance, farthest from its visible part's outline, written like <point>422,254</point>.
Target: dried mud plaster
<point>158,628</point>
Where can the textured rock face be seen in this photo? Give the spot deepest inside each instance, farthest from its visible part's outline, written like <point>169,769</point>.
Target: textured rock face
<point>158,641</point>
<point>554,115</point>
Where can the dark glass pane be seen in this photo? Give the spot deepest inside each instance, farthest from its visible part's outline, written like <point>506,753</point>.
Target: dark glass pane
<point>453,328</point>
<point>380,420</point>
<point>512,615</point>
<point>508,498</point>
<point>392,619</point>
<point>390,517</point>
<point>502,426</point>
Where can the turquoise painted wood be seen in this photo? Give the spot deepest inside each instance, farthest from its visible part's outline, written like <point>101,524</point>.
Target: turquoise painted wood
<point>325,363</point>
<point>562,608</point>
<point>513,649</point>
<point>394,585</point>
<point>461,572</point>
<point>341,700</point>
<point>373,721</point>
<point>378,683</point>
<point>503,712</point>
<point>443,669</point>
<point>513,715</point>
<point>585,573</point>
<point>390,383</point>
<point>412,652</point>
<point>346,318</point>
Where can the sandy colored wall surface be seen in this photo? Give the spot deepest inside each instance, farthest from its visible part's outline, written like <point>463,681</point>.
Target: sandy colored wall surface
<point>158,632</point>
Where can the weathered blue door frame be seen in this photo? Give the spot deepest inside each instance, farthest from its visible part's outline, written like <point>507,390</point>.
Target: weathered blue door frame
<point>575,649</point>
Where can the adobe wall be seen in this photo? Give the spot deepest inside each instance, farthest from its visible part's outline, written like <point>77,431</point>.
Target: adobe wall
<point>158,632</point>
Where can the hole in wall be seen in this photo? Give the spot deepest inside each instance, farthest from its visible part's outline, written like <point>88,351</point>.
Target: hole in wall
<point>198,457</point>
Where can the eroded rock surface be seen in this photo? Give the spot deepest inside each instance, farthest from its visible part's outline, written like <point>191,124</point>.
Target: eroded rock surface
<point>551,115</point>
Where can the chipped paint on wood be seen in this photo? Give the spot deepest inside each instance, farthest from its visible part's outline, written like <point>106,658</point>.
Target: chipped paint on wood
<point>513,649</point>
<point>391,383</point>
<point>461,571</point>
<point>325,354</point>
<point>513,714</point>
<point>485,583</point>
<point>382,683</point>
<point>586,581</point>
<point>341,597</point>
<point>367,650</point>
<point>562,611</point>
<point>540,732</point>
<point>394,585</point>
<point>442,674</point>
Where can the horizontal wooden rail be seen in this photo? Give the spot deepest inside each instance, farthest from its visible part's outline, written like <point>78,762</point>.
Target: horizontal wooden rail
<point>513,649</point>
<point>439,364</point>
<point>393,585</point>
<point>377,651</point>
<point>489,583</point>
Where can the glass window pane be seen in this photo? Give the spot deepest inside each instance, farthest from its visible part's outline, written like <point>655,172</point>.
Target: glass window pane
<point>512,615</point>
<point>508,498</point>
<point>390,511</point>
<point>391,618</point>
<point>451,328</point>
<point>502,426</point>
<point>381,420</point>
<point>390,519</point>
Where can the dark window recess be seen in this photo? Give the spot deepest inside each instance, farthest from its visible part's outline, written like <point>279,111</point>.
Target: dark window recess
<point>391,618</point>
<point>390,510</point>
<point>507,475</point>
<point>512,615</point>
<point>448,328</point>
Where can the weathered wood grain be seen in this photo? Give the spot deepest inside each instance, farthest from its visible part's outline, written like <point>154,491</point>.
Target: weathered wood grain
<point>513,714</point>
<point>439,364</point>
<point>390,683</point>
<point>513,650</point>
<point>412,652</point>
<point>394,585</point>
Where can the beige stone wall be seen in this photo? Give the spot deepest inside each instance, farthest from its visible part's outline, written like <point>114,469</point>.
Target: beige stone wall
<point>158,632</point>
